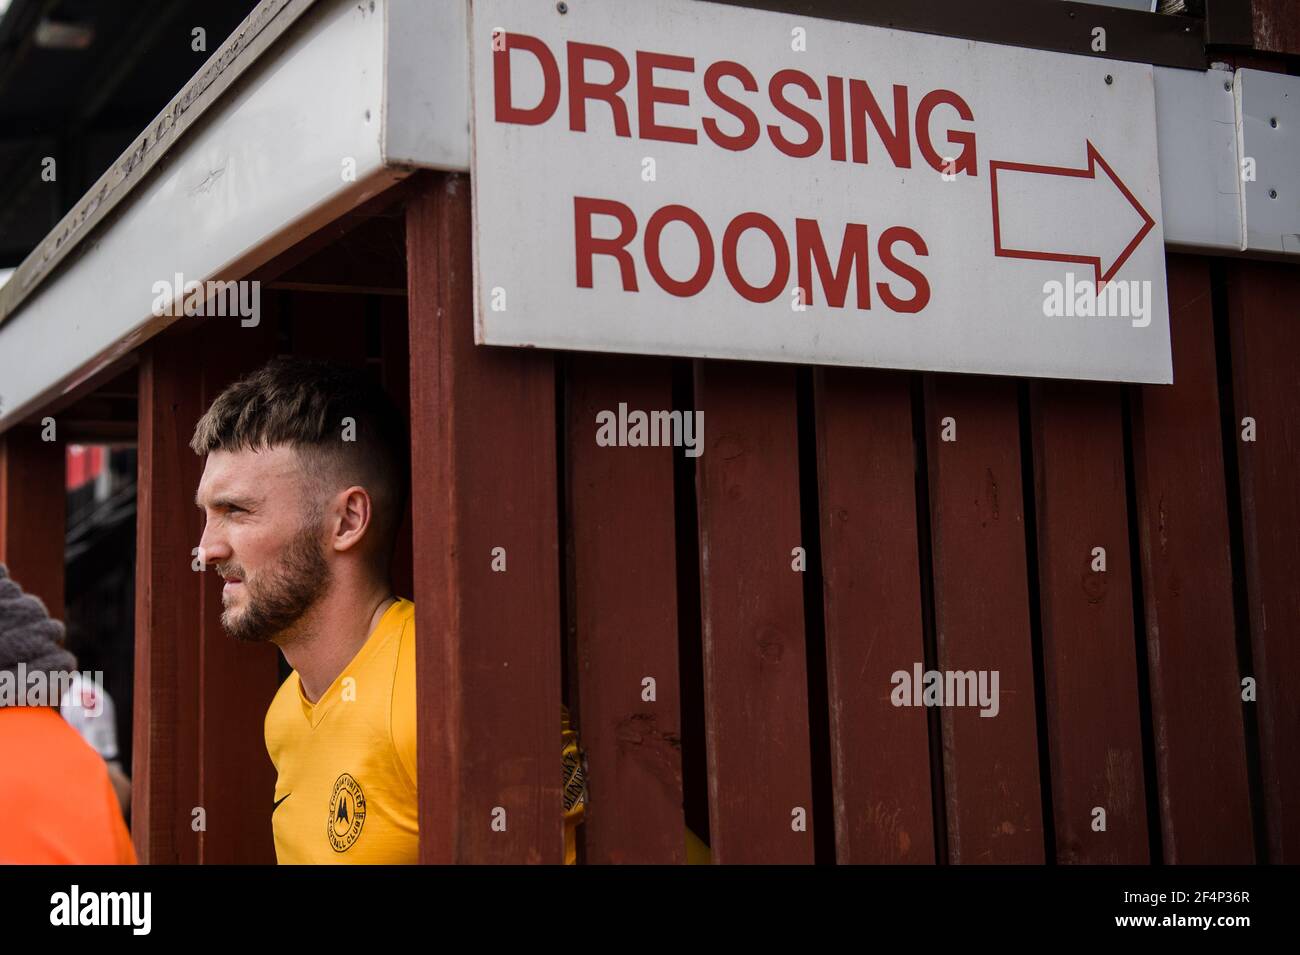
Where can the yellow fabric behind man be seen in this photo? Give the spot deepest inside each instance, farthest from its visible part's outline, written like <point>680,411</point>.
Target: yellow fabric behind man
<point>346,786</point>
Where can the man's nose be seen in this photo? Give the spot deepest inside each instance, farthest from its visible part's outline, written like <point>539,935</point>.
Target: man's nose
<point>213,548</point>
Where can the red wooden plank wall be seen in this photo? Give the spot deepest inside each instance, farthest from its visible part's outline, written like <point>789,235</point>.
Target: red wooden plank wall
<point>1195,702</point>
<point>1111,698</point>
<point>1263,315</point>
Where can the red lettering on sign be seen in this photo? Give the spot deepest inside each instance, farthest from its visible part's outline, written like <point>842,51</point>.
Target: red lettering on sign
<point>809,249</point>
<point>847,139</point>
<point>835,114</point>
<point>587,246</point>
<point>776,91</point>
<point>731,239</point>
<point>742,112</point>
<point>648,95</point>
<point>654,263</point>
<point>918,301</point>
<point>862,103</point>
<point>854,254</point>
<point>581,89</point>
<point>966,161</point>
<point>506,111</point>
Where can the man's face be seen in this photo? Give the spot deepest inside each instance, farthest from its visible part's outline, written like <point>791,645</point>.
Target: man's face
<point>263,537</point>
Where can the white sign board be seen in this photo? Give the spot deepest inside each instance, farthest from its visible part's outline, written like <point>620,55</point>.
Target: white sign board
<point>687,178</point>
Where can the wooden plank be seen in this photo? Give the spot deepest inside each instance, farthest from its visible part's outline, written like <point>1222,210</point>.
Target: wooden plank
<point>755,666</point>
<point>1093,722</point>
<point>1277,26</point>
<point>488,657</point>
<point>1187,591</point>
<point>237,680</point>
<point>872,593</point>
<point>33,513</point>
<point>981,605</point>
<point>1265,350</point>
<point>168,526</point>
<point>622,568</point>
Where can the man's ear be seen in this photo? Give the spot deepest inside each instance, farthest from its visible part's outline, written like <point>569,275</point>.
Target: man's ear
<point>353,515</point>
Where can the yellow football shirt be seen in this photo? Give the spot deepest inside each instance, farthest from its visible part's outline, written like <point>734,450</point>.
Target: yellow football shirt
<point>345,790</point>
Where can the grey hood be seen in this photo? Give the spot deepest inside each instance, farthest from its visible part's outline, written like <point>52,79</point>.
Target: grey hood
<point>27,633</point>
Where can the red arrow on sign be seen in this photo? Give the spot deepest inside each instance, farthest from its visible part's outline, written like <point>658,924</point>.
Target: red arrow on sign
<point>1103,274</point>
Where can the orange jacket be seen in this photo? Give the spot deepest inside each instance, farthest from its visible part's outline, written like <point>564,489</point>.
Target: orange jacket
<point>59,805</point>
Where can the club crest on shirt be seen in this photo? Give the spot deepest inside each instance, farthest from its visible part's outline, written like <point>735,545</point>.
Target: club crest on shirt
<point>347,813</point>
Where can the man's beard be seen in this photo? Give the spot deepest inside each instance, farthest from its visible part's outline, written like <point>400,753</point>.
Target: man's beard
<point>279,601</point>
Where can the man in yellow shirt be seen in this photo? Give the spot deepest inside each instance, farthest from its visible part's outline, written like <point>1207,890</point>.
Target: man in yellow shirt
<point>303,491</point>
<point>364,722</point>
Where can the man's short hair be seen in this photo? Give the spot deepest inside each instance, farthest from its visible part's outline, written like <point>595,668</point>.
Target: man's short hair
<point>304,403</point>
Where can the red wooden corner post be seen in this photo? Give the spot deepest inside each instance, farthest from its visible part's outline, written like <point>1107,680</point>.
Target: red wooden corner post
<point>33,513</point>
<point>486,561</point>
